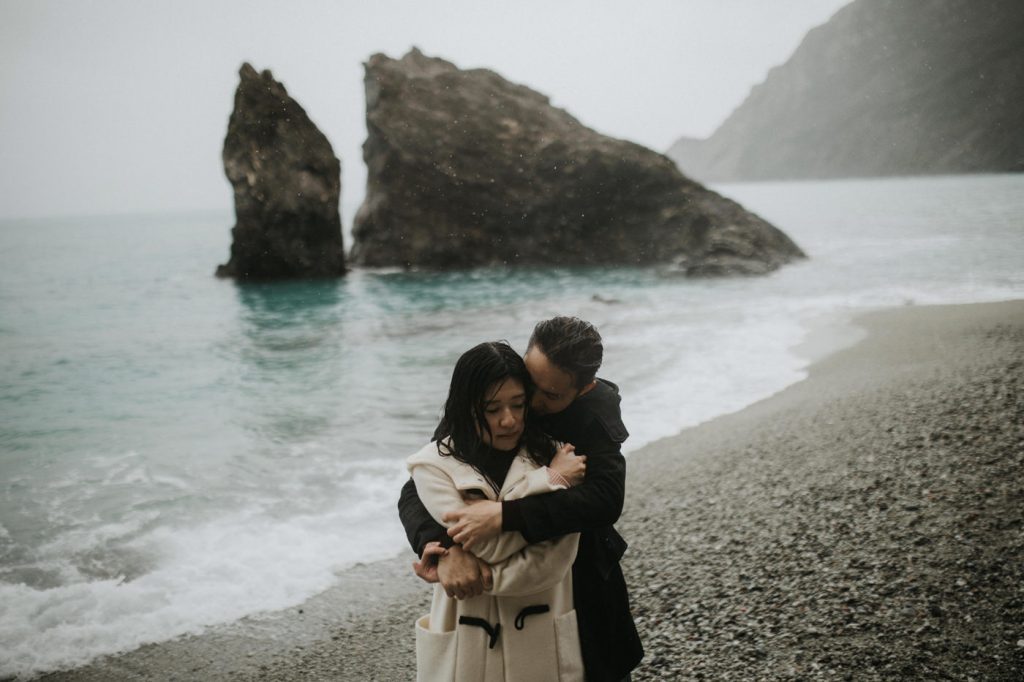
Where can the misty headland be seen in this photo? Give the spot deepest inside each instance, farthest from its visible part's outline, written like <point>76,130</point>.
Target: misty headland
<point>884,88</point>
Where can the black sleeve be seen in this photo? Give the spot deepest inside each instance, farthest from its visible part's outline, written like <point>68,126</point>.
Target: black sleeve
<point>420,526</point>
<point>595,503</point>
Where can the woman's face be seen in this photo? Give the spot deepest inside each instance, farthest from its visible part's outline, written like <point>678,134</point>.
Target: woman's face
<point>505,414</point>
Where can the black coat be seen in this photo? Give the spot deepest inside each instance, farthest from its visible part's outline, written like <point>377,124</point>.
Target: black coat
<point>593,423</point>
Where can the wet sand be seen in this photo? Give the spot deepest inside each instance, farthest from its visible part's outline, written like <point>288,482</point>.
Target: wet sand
<point>866,523</point>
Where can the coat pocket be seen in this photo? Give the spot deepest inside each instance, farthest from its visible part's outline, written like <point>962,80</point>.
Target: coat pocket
<point>435,653</point>
<point>567,642</point>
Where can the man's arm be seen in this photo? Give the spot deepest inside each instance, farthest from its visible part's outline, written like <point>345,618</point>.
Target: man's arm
<point>595,503</point>
<point>420,526</point>
<point>482,520</point>
<point>439,496</point>
<point>460,573</point>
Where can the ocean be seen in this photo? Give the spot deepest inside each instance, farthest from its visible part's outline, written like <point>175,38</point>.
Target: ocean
<point>178,451</point>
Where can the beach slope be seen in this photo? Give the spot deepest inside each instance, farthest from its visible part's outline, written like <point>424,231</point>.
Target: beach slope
<point>865,523</point>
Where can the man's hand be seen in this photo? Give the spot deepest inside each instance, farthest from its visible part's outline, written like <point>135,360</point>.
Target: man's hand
<point>462,575</point>
<point>475,523</point>
<point>426,567</point>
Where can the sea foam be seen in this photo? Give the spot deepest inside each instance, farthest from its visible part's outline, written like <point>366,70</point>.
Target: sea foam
<point>215,572</point>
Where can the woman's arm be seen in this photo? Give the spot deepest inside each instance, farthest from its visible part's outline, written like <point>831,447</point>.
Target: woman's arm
<point>438,494</point>
<point>534,568</point>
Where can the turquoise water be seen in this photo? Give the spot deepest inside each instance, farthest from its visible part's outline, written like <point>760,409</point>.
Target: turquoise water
<point>177,450</point>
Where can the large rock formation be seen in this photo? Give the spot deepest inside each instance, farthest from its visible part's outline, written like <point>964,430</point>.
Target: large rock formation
<point>886,87</point>
<point>467,169</point>
<point>286,181</point>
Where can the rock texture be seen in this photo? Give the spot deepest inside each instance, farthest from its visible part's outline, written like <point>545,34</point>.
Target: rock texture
<point>885,87</point>
<point>467,169</point>
<point>286,182</point>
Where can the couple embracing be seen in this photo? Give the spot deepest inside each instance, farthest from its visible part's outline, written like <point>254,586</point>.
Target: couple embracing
<point>510,509</point>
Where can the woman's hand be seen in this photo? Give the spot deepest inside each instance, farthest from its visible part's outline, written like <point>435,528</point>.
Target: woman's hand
<point>568,465</point>
<point>426,567</point>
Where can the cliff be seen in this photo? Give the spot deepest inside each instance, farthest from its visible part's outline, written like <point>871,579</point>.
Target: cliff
<point>886,87</point>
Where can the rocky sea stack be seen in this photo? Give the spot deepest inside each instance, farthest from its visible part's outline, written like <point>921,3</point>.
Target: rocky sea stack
<point>886,87</point>
<point>467,169</point>
<point>286,181</point>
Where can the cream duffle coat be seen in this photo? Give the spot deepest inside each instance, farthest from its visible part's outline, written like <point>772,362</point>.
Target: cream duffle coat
<point>522,630</point>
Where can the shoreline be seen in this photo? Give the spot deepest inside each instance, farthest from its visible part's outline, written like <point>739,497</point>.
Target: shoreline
<point>361,628</point>
<point>864,523</point>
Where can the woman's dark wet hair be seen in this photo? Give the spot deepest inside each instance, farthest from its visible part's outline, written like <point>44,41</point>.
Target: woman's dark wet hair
<point>463,419</point>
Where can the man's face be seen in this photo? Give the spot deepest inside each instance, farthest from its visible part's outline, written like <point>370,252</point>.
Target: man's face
<point>555,387</point>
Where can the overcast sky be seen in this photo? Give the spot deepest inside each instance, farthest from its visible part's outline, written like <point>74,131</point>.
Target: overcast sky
<point>120,106</point>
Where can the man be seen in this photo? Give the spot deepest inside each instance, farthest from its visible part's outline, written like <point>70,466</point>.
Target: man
<point>575,407</point>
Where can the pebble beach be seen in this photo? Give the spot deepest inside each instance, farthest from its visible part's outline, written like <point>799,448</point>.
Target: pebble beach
<point>866,523</point>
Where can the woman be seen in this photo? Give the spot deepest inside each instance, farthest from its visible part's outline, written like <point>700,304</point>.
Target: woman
<point>524,628</point>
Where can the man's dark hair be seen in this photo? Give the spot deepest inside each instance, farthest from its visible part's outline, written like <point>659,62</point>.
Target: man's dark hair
<point>480,369</point>
<point>571,344</point>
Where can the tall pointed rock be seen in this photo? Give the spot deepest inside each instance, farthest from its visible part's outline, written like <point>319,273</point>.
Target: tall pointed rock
<point>465,168</point>
<point>286,182</point>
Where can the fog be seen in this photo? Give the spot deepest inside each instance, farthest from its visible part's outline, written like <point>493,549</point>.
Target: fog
<point>118,106</point>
